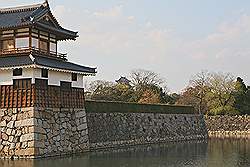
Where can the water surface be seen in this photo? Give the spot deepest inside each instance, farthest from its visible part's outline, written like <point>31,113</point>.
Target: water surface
<point>214,153</point>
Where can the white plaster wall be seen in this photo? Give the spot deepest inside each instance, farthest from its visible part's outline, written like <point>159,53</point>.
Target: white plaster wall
<point>27,73</point>
<point>55,77</point>
<point>6,77</point>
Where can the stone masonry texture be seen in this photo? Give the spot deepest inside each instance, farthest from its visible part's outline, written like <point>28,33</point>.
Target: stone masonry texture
<point>226,126</point>
<point>42,132</point>
<point>123,129</point>
<point>47,132</point>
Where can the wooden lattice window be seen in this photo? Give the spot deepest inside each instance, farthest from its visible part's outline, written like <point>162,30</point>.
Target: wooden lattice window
<point>22,83</point>
<point>41,83</point>
<point>65,85</point>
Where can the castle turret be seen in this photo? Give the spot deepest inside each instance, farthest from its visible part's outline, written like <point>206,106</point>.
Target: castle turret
<point>32,71</point>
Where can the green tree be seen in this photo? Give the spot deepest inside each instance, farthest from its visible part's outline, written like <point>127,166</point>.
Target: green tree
<point>220,96</point>
<point>211,93</point>
<point>242,97</point>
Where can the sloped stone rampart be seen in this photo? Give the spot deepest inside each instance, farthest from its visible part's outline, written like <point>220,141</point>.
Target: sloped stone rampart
<point>123,129</point>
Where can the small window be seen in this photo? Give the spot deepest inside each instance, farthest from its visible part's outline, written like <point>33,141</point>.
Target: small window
<point>43,46</point>
<point>22,83</point>
<point>45,73</point>
<point>22,42</point>
<point>35,43</point>
<point>41,83</point>
<point>8,44</point>
<point>53,47</point>
<point>65,85</point>
<point>74,77</point>
<point>17,72</point>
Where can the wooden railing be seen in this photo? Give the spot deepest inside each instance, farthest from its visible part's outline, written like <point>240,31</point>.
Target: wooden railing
<point>23,50</point>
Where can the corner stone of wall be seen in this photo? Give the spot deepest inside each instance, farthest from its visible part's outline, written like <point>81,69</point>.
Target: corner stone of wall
<point>42,132</point>
<point>225,126</point>
<point>107,130</point>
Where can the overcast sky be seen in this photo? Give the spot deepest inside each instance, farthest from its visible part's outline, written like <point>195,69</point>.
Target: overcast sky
<point>175,38</point>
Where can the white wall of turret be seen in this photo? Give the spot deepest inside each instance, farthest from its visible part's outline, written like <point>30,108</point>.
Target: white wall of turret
<point>54,77</point>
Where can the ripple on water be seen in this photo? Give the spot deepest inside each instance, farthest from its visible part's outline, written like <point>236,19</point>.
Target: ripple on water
<point>214,153</point>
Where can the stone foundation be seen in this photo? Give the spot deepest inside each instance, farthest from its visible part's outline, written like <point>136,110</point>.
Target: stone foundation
<point>46,132</point>
<point>42,132</point>
<point>228,126</point>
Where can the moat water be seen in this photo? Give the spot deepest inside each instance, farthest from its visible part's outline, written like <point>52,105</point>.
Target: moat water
<point>214,153</point>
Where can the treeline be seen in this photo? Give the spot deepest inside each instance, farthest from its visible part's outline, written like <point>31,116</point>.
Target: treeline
<point>209,93</point>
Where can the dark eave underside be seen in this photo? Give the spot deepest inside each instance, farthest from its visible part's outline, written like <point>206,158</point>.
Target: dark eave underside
<point>19,61</point>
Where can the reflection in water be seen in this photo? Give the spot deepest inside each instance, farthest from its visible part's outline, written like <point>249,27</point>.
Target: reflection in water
<point>222,153</point>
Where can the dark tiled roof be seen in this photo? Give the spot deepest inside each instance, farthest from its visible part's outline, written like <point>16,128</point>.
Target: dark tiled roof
<point>123,80</point>
<point>17,61</point>
<point>53,63</point>
<point>30,16</point>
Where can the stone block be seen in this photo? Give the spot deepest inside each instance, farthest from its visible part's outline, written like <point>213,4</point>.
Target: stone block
<point>29,152</point>
<point>8,132</point>
<point>5,136</point>
<point>39,130</point>
<point>3,123</point>
<point>27,137</point>
<point>10,124</point>
<point>25,123</point>
<point>11,138</point>
<point>82,127</point>
<point>24,145</point>
<point>80,114</point>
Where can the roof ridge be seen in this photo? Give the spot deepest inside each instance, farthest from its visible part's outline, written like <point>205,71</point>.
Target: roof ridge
<point>21,8</point>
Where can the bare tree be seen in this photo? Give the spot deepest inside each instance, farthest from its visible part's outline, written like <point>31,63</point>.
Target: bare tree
<point>199,83</point>
<point>141,77</point>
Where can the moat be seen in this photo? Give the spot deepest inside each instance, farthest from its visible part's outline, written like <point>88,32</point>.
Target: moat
<point>221,153</point>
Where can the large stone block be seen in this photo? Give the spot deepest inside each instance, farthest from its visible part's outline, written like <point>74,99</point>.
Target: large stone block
<point>25,123</point>
<point>82,127</point>
<point>80,114</point>
<point>27,137</point>
<point>3,123</point>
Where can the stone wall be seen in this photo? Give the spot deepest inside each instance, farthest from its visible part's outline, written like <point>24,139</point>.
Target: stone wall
<point>228,126</point>
<point>42,132</point>
<point>45,132</point>
<point>122,129</point>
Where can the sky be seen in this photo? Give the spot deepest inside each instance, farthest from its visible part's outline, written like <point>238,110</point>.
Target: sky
<point>174,38</point>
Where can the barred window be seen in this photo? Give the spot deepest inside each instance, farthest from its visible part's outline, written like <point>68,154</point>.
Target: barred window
<point>41,83</point>
<point>22,83</point>
<point>65,85</point>
<point>45,73</point>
